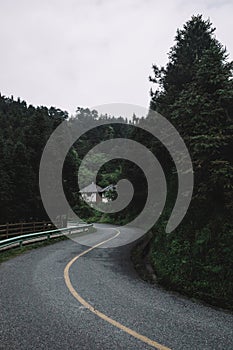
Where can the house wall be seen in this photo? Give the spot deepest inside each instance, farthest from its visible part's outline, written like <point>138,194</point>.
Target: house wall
<point>89,197</point>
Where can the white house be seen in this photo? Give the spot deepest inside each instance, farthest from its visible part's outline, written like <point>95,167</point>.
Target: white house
<point>94,193</point>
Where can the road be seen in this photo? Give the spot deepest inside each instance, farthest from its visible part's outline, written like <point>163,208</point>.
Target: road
<point>70,296</point>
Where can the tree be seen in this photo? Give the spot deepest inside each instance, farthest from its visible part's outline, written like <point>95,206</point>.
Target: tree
<point>195,93</point>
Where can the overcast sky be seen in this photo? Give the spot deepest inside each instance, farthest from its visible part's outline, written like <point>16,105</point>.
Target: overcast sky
<point>70,53</point>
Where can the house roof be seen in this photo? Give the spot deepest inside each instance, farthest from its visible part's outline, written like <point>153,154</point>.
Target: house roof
<point>92,188</point>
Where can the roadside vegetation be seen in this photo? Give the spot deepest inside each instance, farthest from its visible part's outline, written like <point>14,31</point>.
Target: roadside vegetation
<point>195,93</point>
<point>13,252</point>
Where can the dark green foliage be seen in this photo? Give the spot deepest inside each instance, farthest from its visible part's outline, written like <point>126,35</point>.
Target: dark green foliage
<point>24,131</point>
<point>196,94</point>
<point>111,171</point>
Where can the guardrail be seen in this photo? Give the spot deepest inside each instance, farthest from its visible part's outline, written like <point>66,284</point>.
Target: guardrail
<point>9,230</point>
<point>46,234</point>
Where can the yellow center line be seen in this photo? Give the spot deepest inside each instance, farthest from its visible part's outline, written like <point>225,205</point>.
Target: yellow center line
<point>98,313</point>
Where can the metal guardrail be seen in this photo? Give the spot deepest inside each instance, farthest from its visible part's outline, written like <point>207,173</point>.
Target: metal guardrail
<point>22,238</point>
<point>9,230</point>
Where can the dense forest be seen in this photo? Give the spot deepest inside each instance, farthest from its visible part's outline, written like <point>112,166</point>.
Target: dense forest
<point>194,91</point>
<point>24,131</point>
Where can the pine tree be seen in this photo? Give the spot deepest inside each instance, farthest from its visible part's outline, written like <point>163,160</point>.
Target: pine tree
<point>195,93</point>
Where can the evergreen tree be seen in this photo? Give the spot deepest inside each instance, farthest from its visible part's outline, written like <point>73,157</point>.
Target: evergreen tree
<point>195,93</point>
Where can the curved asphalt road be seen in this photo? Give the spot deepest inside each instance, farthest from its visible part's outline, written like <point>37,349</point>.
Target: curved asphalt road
<point>38,311</point>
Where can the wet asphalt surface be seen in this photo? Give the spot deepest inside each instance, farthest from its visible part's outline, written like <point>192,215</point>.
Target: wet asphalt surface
<point>39,312</point>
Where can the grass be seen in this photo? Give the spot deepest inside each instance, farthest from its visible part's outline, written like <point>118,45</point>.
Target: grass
<point>13,252</point>
<point>141,255</point>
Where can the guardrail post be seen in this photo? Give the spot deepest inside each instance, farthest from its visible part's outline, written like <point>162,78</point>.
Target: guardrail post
<point>20,244</point>
<point>48,237</point>
<point>7,230</point>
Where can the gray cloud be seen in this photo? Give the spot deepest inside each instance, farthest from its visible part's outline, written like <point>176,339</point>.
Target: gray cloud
<point>86,53</point>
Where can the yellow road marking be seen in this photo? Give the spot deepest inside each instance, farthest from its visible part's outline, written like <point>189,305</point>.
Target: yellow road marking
<point>98,313</point>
